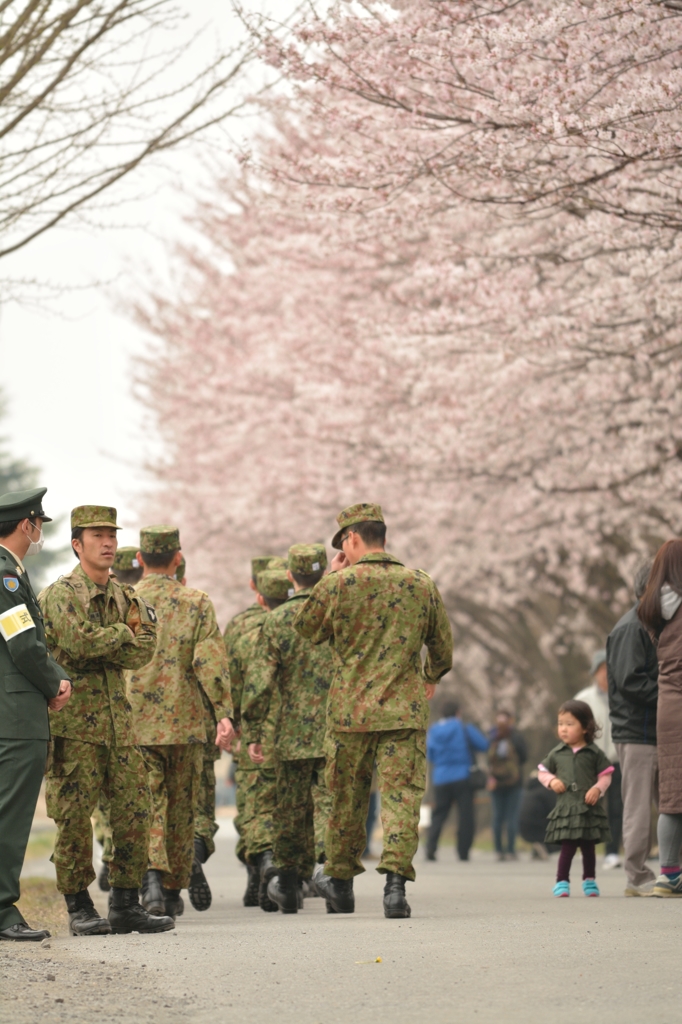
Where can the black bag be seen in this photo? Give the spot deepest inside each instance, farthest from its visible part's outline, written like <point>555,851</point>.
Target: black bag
<point>478,779</point>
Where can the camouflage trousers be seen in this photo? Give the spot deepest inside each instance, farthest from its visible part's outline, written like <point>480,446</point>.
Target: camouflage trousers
<point>174,771</point>
<point>205,825</point>
<point>400,757</point>
<point>256,804</point>
<point>302,813</point>
<point>100,822</point>
<point>78,774</point>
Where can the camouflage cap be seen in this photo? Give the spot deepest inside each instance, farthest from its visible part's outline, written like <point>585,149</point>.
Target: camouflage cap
<point>273,583</point>
<point>159,540</point>
<point>181,571</point>
<point>264,562</point>
<point>126,559</point>
<point>16,505</point>
<point>307,558</point>
<point>364,512</point>
<point>93,515</point>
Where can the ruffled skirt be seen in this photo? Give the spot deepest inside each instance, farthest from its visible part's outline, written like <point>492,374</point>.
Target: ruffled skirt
<point>573,821</point>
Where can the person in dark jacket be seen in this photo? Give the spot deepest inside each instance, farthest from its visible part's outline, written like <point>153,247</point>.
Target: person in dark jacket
<point>449,748</point>
<point>507,754</point>
<point>633,695</point>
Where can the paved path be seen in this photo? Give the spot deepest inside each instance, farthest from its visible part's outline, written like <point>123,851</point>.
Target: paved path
<point>487,943</point>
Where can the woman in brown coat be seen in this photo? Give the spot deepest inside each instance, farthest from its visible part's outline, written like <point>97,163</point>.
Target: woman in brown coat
<point>659,610</point>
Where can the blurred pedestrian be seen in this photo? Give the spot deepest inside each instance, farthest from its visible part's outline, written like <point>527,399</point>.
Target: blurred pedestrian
<point>597,696</point>
<point>633,696</point>
<point>536,804</point>
<point>659,611</point>
<point>507,754</point>
<point>578,771</point>
<point>450,746</point>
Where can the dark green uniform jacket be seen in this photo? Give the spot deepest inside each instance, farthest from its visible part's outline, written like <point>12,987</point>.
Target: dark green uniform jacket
<point>29,675</point>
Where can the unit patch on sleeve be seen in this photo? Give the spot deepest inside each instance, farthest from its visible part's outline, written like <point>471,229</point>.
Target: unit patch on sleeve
<point>11,583</point>
<point>15,621</point>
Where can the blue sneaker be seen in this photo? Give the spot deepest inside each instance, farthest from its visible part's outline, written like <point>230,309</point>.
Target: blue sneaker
<point>561,889</point>
<point>590,887</point>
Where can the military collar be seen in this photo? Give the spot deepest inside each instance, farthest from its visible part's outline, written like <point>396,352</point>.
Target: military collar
<point>303,592</point>
<point>19,564</point>
<point>378,556</point>
<point>95,588</point>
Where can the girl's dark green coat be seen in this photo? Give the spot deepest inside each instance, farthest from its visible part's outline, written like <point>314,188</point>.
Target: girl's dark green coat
<point>572,818</point>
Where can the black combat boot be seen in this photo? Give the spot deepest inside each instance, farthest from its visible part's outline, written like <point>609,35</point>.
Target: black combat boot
<point>283,890</point>
<point>173,903</point>
<point>83,918</point>
<point>151,893</point>
<point>395,903</point>
<point>198,890</point>
<point>338,893</point>
<point>103,877</point>
<point>266,870</point>
<point>252,884</point>
<point>128,915</point>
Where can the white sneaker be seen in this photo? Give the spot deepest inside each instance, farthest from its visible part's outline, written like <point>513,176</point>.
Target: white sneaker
<point>644,889</point>
<point>612,860</point>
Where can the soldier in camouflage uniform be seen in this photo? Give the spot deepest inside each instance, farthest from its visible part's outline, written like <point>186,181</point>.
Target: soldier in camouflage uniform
<point>98,628</point>
<point>378,616</point>
<point>256,784</point>
<point>128,570</point>
<point>167,696</point>
<point>283,662</point>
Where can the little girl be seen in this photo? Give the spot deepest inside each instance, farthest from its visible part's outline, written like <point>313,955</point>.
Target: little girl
<point>580,773</point>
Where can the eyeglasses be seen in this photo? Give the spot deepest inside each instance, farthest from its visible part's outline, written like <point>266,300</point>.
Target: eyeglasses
<point>345,538</point>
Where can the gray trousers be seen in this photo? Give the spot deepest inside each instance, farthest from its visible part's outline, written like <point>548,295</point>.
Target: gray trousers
<point>22,763</point>
<point>639,765</point>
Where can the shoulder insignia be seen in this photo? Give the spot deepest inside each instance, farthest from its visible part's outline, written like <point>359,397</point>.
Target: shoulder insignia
<point>151,613</point>
<point>10,583</point>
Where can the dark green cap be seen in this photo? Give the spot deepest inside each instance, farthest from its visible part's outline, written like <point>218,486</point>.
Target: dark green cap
<point>17,505</point>
<point>307,558</point>
<point>125,560</point>
<point>273,583</point>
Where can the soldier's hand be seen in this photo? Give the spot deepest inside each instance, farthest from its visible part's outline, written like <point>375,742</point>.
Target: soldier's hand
<point>225,734</point>
<point>256,753</point>
<point>339,562</point>
<point>58,702</point>
<point>430,690</point>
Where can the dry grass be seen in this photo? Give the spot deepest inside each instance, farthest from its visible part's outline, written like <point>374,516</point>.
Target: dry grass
<point>42,906</point>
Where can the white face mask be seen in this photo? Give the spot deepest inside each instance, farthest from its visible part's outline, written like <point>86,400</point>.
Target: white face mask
<point>36,546</point>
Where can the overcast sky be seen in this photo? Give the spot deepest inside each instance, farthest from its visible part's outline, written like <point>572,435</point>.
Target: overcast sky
<point>67,367</point>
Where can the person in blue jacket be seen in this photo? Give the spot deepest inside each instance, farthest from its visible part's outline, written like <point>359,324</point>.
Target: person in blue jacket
<point>450,746</point>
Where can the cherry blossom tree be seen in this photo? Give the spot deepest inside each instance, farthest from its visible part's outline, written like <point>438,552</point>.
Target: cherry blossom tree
<point>445,279</point>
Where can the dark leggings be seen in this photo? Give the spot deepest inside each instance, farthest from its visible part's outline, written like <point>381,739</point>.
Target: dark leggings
<point>568,851</point>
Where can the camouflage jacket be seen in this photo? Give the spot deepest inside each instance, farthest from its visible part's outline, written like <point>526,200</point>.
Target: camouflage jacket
<point>241,637</point>
<point>86,631</point>
<point>190,660</point>
<point>239,650</point>
<point>378,615</point>
<point>300,672</point>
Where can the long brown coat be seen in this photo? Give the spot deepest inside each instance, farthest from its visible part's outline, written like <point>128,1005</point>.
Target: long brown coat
<point>670,716</point>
